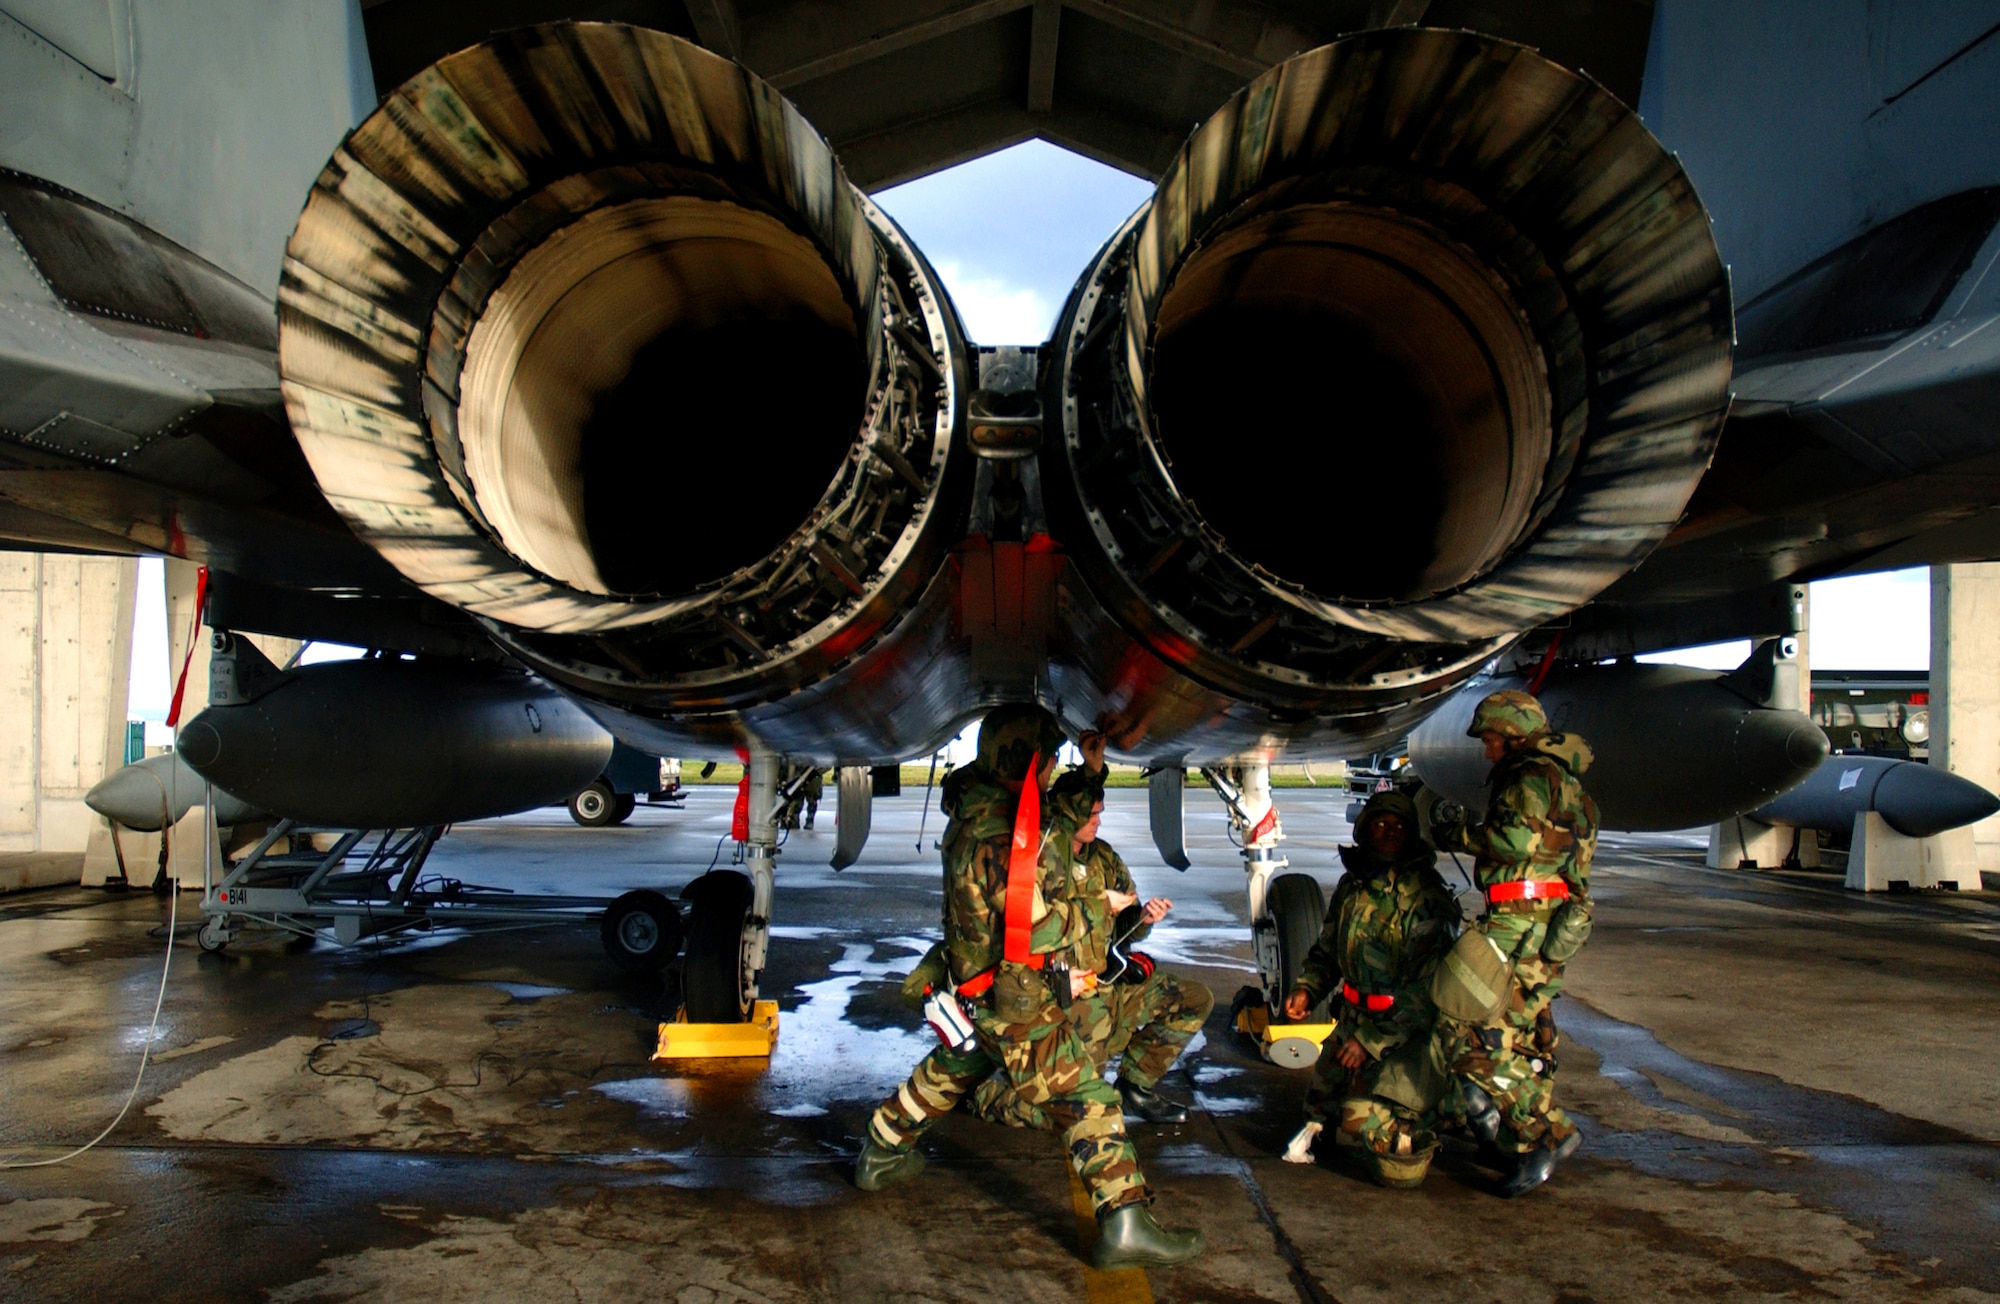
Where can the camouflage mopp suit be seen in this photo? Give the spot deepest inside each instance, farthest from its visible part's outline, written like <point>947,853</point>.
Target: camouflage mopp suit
<point>1540,829</point>
<point>1024,1037</point>
<point>1390,922</point>
<point>1148,1019</point>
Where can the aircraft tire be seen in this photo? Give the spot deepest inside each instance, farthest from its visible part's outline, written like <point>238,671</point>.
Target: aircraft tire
<point>595,806</point>
<point>642,931</point>
<point>712,977</point>
<point>1298,907</point>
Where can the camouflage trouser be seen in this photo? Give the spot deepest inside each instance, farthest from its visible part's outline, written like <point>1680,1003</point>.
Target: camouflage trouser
<point>1149,1023</point>
<point>1046,1066</point>
<point>1512,1060</point>
<point>1395,1135</point>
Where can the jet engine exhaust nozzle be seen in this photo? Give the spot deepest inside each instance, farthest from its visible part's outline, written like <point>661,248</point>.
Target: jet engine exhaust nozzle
<point>1422,342</point>
<point>584,291</point>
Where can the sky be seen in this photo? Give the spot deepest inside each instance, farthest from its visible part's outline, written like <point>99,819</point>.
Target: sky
<point>1010,233</point>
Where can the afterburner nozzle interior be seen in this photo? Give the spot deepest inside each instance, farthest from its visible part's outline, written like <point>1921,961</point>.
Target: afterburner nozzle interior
<point>1335,371</point>
<point>643,376</point>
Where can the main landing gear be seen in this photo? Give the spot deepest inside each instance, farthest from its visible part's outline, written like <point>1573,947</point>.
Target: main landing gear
<point>729,915</point>
<point>1286,914</point>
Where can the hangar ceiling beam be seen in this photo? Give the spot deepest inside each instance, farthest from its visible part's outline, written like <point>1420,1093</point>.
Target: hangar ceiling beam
<point>1142,19</point>
<point>1042,55</point>
<point>913,147</point>
<point>888,40</point>
<point>715,22</point>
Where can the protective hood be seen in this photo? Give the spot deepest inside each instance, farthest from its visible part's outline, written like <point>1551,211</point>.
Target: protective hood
<point>1566,749</point>
<point>1012,735</point>
<point>1360,860</point>
<point>971,794</point>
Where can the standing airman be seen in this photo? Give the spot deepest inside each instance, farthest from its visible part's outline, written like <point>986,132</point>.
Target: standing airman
<point>1532,860</point>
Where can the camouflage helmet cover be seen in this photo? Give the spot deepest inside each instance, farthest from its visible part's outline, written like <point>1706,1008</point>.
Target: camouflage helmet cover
<point>1075,781</point>
<point>1510,713</point>
<point>1010,736</point>
<point>1400,1172</point>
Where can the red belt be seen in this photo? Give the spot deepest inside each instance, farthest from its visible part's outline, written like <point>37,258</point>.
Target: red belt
<point>1530,889</point>
<point>1373,1001</point>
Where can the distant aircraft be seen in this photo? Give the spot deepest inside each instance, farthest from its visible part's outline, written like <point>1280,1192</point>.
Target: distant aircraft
<point>1424,290</point>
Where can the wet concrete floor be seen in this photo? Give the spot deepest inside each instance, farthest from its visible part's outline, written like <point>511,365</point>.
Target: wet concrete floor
<point>1789,1091</point>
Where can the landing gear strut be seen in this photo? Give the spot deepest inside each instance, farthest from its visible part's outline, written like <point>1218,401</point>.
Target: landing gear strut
<point>729,931</point>
<point>1286,914</point>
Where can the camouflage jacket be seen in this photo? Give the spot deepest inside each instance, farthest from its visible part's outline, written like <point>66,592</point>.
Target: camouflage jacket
<point>1540,823</point>
<point>976,806</point>
<point>1094,869</point>
<point>976,849</point>
<point>1386,930</point>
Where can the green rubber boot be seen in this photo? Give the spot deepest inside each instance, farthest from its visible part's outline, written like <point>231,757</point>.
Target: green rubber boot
<point>879,1166</point>
<point>1127,1237</point>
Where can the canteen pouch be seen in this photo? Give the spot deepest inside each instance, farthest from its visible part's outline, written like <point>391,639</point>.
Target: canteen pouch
<point>928,975</point>
<point>950,1020</point>
<point>1569,929</point>
<point>1471,983</point>
<point>1019,993</point>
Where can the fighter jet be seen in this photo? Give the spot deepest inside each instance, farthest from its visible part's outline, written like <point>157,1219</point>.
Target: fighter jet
<point>422,370</point>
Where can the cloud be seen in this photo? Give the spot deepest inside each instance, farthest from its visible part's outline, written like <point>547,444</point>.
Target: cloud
<point>997,311</point>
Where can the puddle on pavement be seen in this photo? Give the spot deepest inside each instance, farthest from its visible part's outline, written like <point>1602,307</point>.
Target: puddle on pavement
<point>527,991</point>
<point>1202,948</point>
<point>823,1057</point>
<point>1223,1106</point>
<point>794,1182</point>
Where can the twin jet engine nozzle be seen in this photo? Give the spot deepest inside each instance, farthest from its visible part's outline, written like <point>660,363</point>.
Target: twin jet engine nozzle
<point>1421,342</point>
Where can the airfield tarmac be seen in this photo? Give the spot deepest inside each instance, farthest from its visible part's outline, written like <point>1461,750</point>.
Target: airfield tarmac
<point>1788,1091</point>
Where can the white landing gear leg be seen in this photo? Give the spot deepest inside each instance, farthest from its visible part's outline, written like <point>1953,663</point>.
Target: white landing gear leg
<point>729,915</point>
<point>1246,791</point>
<point>1286,914</point>
<point>760,861</point>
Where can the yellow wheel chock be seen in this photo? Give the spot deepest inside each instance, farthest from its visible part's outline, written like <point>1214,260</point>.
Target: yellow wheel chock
<point>749,1040</point>
<point>1288,1045</point>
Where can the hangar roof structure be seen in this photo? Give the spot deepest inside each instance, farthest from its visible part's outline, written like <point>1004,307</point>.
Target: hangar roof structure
<point>903,88</point>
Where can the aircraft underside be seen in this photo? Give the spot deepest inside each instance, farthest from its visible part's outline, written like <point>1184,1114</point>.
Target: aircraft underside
<point>585,292</point>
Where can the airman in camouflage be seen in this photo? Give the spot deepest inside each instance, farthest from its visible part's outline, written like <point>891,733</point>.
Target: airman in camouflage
<point>1532,860</point>
<point>1022,1032</point>
<point>1379,1078</point>
<point>1123,1006</point>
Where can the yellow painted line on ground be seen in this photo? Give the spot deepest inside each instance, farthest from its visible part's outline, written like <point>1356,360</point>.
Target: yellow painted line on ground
<point>1125,1286</point>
